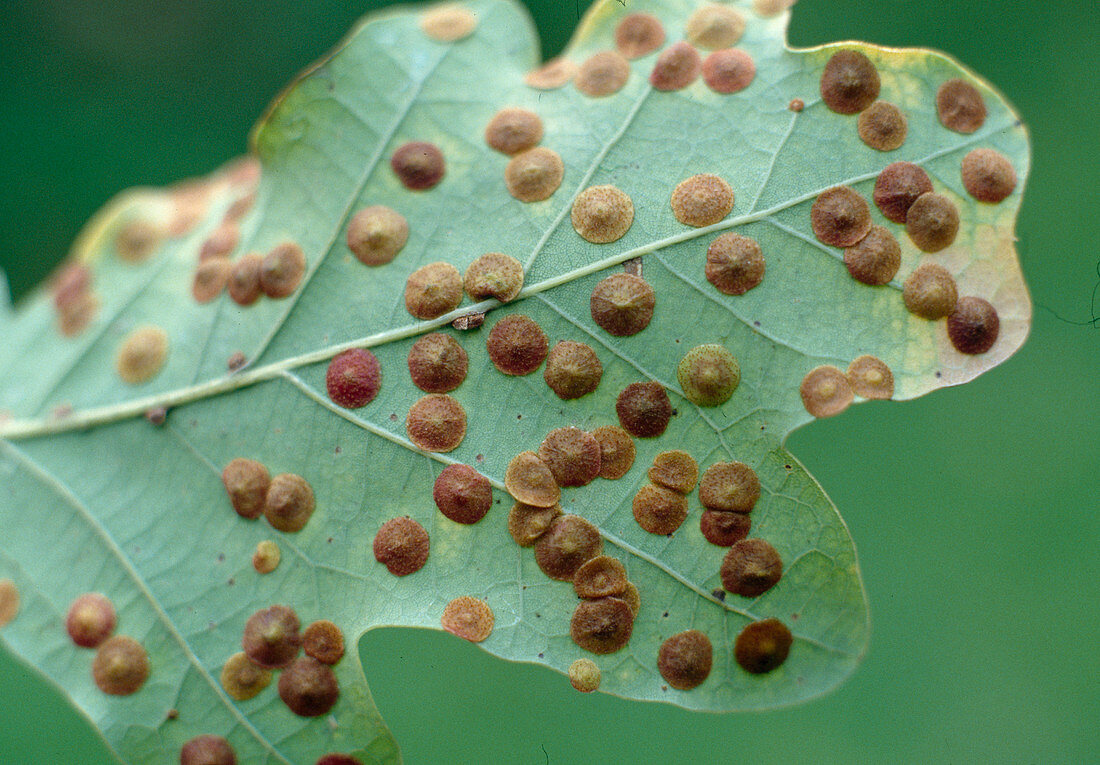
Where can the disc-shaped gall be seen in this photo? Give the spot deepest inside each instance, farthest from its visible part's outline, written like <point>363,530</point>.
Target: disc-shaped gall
<point>120,666</point>
<point>324,641</point>
<point>616,451</point>
<point>469,618</point>
<point>353,378</point>
<point>433,290</point>
<point>282,269</point>
<point>622,304</point>
<point>568,544</point>
<point>517,345</point>
<point>751,568</point>
<point>436,423</point>
<point>930,291</point>
<point>289,502</point>
<point>708,374</point>
<point>840,217</point>
<point>437,363</point>
<point>850,82</point>
<point>644,409</point>
<point>376,234</point>
<point>246,482</point>
<point>602,214</point>
<point>271,638</point>
<point>825,391</point>
<point>735,264</point>
<point>702,200</point>
<point>308,687</point>
<point>462,494</point>
<point>685,659</point>
<point>601,626</point>
<point>973,326</point>
<point>90,620</point>
<point>419,165</point>
<point>731,487</point>
<point>572,370</point>
<point>401,545</point>
<point>762,646</point>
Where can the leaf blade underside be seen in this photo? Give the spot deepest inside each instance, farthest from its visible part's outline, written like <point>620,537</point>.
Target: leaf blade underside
<point>145,520</point>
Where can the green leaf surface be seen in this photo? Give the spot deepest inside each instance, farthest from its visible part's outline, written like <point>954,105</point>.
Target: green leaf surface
<point>95,497</point>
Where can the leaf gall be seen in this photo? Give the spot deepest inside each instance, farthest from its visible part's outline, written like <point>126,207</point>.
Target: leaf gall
<point>142,354</point>
<point>353,378</point>
<point>677,67</point>
<point>462,494</point>
<point>602,214</point>
<point>731,487</point>
<point>526,523</point>
<point>875,259</point>
<point>207,749</point>
<point>639,34</point>
<point>376,234</point>
<point>684,659</point>
<point>281,270</point>
<point>988,175</point>
<point>513,130</point>
<point>419,165</point>
<point>897,188</point>
<point>517,345</point>
<point>702,200</point>
<point>584,675</point>
<point>825,391</point>
<point>572,370</point>
<point>90,620</point>
<point>850,82</point>
<point>751,568</point>
<point>9,601</point>
<point>644,409</point>
<point>266,557</point>
<point>960,106</point>
<point>882,126</point>
<point>871,378</point>
<point>568,544</point>
<point>735,264</point>
<point>401,545</point>
<point>724,529</point>
<point>840,217</point>
<point>529,480</point>
<point>616,451</point>
<point>210,279</point>
<point>534,175</point>
<point>244,279</point>
<point>930,291</point>
<point>494,275</point>
<point>709,374</point>
<point>602,74</point>
<point>271,639</point>
<point>659,510</point>
<point>715,26</point>
<point>469,618</point>
<point>932,222</point>
<point>433,290</point>
<point>120,666</point>
<point>436,423</point>
<point>600,577</point>
<point>551,75</point>
<point>246,482</point>
<point>762,646</point>
<point>601,626</point>
<point>437,363</point>
<point>572,455</point>
<point>676,470</point>
<point>308,687</point>
<point>728,71</point>
<point>973,326</point>
<point>289,502</point>
<point>324,641</point>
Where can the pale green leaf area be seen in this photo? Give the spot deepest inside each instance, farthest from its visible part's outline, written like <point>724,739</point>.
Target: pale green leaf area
<point>97,498</point>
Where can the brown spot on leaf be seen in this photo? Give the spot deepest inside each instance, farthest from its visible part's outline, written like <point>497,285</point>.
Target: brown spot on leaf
<point>90,620</point>
<point>401,545</point>
<point>973,326</point>
<point>437,363</point>
<point>376,234</point>
<point>448,23</point>
<point>221,242</point>
<point>210,279</point>
<point>600,577</point>
<point>266,557</point>
<point>568,544</point>
<point>353,378</point>
<point>572,370</point>
<point>930,291</point>
<point>616,451</point>
<point>602,74</point>
<point>735,264</point>
<point>436,423</point>
<point>897,187</point>
<point>684,659</point>
<point>584,675</point>
<point>762,646</point>
<point>960,106</point>
<point>282,269</point>
<point>659,510</point>
<point>644,409</point>
<point>462,494</point>
<point>308,687</point>
<point>433,290</point>
<point>622,304</point>
<point>120,666</point>
<point>207,749</point>
<point>324,641</point>
<point>137,240</point>
<point>850,82</point>
<point>517,345</point>
<point>513,130</point>
<point>840,217</point>
<point>469,618</point>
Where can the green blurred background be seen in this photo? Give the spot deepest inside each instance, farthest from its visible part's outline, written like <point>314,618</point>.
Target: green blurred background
<point>975,509</point>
